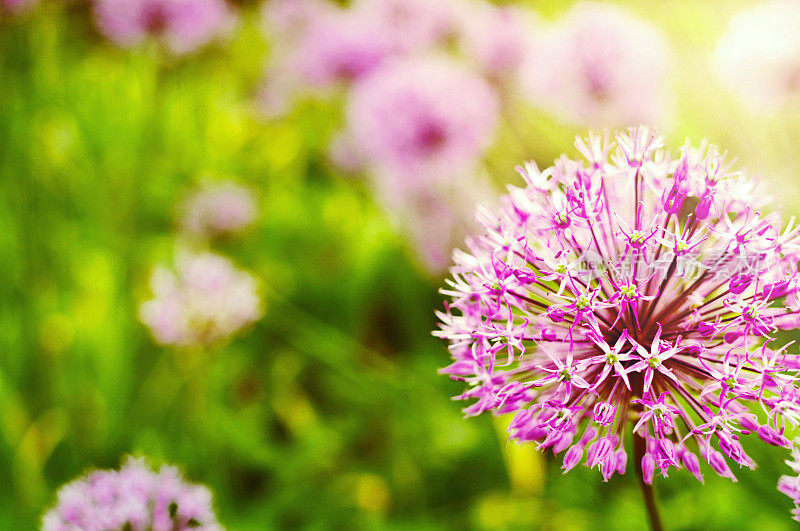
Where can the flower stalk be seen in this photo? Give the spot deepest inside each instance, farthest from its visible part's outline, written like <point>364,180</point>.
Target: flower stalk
<point>639,448</point>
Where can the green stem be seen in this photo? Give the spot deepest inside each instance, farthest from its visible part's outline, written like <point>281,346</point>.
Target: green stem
<point>639,447</point>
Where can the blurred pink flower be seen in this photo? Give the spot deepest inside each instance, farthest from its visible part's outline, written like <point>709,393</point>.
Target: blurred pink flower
<point>759,57</point>
<point>497,39</point>
<point>600,66</point>
<point>16,6</point>
<point>436,218</point>
<point>288,18</point>
<point>410,25</point>
<point>279,88</point>
<point>289,24</point>
<point>205,301</point>
<point>339,46</point>
<point>184,25</point>
<point>322,45</point>
<point>422,118</point>
<point>135,498</point>
<point>218,208</point>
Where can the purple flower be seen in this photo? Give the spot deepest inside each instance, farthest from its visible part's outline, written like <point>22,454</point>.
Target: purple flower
<point>217,209</point>
<point>205,301</point>
<point>759,57</point>
<point>183,25</point>
<point>420,118</point>
<point>600,66</point>
<point>136,498</point>
<point>568,313</point>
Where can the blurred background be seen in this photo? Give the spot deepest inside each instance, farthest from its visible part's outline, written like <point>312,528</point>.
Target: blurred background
<point>223,227</point>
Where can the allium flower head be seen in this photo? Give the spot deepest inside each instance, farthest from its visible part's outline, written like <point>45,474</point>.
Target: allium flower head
<point>204,301</point>
<point>759,57</point>
<point>218,208</point>
<point>422,117</point>
<point>600,66</point>
<point>631,294</point>
<point>135,498</point>
<point>183,25</point>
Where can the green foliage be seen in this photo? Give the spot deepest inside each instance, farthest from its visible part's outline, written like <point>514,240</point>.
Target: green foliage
<point>328,413</point>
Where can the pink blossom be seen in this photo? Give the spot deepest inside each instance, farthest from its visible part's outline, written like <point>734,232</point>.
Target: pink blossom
<point>759,56</point>
<point>136,498</point>
<point>320,45</point>
<point>339,46</point>
<point>498,40</point>
<point>600,66</point>
<point>410,25</point>
<point>436,217</point>
<point>183,25</point>
<point>568,313</point>
<point>422,117</point>
<point>206,300</point>
<point>217,209</point>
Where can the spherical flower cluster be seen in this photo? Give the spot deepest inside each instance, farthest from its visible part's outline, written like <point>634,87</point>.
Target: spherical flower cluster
<point>790,485</point>
<point>759,57</point>
<point>331,45</point>
<point>422,148</point>
<point>217,209</point>
<point>405,126</point>
<point>183,25</point>
<point>135,498</point>
<point>206,300</point>
<point>599,66</point>
<point>631,295</point>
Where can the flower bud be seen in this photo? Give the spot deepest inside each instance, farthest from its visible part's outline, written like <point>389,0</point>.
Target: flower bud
<point>704,206</point>
<point>648,465</point>
<point>572,457</point>
<point>720,466</point>
<point>621,460</point>
<point>604,413</point>
<point>770,436</point>
<point>739,283</point>
<point>692,464</point>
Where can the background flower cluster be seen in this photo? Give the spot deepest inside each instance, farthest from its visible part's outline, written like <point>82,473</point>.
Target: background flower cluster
<point>224,224</point>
